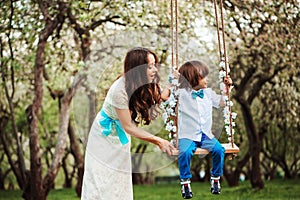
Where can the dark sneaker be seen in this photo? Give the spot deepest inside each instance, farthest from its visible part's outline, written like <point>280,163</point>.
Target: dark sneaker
<point>186,189</point>
<point>215,185</point>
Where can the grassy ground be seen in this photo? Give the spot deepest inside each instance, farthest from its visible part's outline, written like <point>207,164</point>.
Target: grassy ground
<point>274,190</point>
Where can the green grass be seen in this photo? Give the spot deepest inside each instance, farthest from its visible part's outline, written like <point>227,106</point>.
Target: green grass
<point>274,190</point>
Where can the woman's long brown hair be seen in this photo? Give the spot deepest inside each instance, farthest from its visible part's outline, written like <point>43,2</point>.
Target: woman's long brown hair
<point>143,96</point>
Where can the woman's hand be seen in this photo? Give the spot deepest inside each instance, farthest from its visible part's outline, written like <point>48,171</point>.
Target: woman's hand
<point>165,146</point>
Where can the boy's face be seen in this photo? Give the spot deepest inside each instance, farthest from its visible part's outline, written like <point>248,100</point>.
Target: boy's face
<point>203,82</point>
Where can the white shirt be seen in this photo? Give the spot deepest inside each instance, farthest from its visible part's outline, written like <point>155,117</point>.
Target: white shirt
<point>195,115</point>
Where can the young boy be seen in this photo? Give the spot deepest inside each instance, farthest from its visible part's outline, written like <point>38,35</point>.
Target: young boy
<point>194,124</point>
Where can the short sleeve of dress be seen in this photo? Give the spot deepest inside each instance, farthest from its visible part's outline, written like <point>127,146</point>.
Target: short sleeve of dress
<point>117,95</point>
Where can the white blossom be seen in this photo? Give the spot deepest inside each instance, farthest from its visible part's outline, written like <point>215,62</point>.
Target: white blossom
<point>174,129</point>
<point>165,117</point>
<point>172,104</point>
<point>225,98</point>
<point>227,121</point>
<point>228,68</point>
<point>229,139</point>
<point>222,74</point>
<point>228,115</point>
<point>233,115</point>
<point>169,127</point>
<point>222,64</point>
<point>222,86</point>
<point>175,82</point>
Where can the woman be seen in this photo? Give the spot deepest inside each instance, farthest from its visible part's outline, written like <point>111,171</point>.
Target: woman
<point>131,100</point>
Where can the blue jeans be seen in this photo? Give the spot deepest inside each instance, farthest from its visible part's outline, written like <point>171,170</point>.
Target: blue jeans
<point>187,149</point>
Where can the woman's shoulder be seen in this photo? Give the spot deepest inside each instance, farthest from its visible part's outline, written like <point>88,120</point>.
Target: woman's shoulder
<point>117,86</point>
<point>117,95</point>
<point>119,82</point>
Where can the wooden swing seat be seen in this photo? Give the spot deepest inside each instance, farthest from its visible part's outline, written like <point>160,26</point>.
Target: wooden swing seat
<point>228,149</point>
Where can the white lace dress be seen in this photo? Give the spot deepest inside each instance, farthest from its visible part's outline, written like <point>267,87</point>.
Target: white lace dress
<point>107,174</point>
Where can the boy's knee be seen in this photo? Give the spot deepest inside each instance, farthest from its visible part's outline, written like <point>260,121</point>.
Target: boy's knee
<point>186,152</point>
<point>186,147</point>
<point>218,149</point>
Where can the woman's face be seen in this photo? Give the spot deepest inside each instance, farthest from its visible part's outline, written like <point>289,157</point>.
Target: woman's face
<point>151,69</point>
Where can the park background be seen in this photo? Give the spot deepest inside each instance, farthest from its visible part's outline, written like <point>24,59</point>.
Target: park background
<point>58,58</point>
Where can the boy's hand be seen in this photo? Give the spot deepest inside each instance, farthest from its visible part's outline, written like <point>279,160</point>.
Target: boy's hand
<point>228,84</point>
<point>228,80</point>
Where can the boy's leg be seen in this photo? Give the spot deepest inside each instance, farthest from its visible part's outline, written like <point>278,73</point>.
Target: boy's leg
<point>186,151</point>
<point>218,152</point>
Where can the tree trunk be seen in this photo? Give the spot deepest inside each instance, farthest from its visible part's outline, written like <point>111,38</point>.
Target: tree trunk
<point>78,156</point>
<point>20,173</point>
<point>64,116</point>
<point>254,145</point>
<point>35,187</point>
<point>34,190</point>
<point>68,178</point>
<point>3,123</point>
<point>137,178</point>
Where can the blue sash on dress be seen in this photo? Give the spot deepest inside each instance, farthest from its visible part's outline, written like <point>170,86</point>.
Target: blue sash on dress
<point>106,122</point>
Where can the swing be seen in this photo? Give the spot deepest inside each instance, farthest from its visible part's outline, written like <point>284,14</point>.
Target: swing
<point>230,147</point>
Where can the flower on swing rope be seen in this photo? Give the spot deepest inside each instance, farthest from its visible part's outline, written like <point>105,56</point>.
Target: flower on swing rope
<point>170,126</point>
<point>228,115</point>
<point>169,108</point>
<point>227,120</point>
<point>228,69</point>
<point>222,64</point>
<point>222,74</point>
<point>230,103</point>
<point>227,129</point>
<point>226,111</point>
<point>165,117</point>
<point>175,82</point>
<point>222,86</point>
<point>225,98</point>
<point>233,115</point>
<point>172,104</point>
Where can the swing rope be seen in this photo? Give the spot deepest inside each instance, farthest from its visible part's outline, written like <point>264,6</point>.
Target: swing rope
<point>174,49</point>
<point>174,64</point>
<point>231,138</point>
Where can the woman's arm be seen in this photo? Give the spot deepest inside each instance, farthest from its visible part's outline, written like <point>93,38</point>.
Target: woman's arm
<point>132,129</point>
<point>165,94</point>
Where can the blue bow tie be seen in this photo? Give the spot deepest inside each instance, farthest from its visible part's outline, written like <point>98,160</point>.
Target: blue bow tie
<point>198,93</point>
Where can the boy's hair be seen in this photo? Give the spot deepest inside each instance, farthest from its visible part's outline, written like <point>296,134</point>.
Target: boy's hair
<point>191,72</point>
